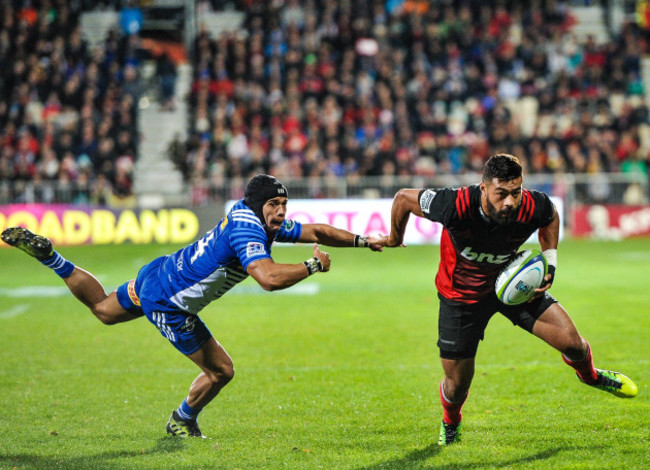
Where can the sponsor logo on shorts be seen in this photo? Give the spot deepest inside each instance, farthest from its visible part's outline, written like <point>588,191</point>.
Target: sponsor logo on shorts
<point>425,200</point>
<point>255,248</point>
<point>446,341</point>
<point>189,324</point>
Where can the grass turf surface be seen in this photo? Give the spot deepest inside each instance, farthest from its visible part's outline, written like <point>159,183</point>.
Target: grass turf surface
<point>345,377</point>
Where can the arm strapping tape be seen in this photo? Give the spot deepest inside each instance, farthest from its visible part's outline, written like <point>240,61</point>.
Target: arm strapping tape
<point>360,241</point>
<point>313,265</point>
<point>551,256</point>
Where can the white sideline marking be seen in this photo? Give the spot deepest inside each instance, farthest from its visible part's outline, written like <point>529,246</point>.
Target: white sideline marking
<point>35,291</point>
<point>635,255</point>
<point>61,291</point>
<point>300,289</point>
<point>13,312</point>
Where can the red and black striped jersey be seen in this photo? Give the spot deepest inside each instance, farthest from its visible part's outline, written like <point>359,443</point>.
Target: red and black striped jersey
<point>473,248</point>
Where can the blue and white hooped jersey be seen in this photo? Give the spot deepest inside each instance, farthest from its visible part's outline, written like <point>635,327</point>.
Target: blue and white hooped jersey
<point>202,272</point>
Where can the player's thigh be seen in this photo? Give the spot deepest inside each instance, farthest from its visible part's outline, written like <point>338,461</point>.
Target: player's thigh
<point>110,311</point>
<point>189,335</point>
<point>213,359</point>
<point>556,328</point>
<point>461,327</point>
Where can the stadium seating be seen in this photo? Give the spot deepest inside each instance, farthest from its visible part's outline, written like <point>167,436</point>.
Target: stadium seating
<point>67,109</point>
<point>325,91</point>
<point>348,89</point>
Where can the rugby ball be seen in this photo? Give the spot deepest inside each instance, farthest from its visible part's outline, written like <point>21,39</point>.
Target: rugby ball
<point>519,279</point>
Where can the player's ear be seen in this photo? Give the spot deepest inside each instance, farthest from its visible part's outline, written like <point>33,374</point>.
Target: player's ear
<point>482,186</point>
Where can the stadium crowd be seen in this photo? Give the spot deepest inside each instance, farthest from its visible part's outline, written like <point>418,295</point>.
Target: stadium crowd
<point>67,112</point>
<point>323,89</point>
<point>407,87</point>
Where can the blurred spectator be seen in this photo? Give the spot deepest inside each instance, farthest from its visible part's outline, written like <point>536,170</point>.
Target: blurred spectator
<point>66,112</point>
<point>374,88</point>
<point>320,89</point>
<point>130,18</point>
<point>166,70</point>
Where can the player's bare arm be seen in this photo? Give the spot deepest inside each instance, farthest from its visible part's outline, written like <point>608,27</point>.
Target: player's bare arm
<point>275,276</point>
<point>548,240</point>
<point>405,203</point>
<point>549,235</point>
<point>332,236</point>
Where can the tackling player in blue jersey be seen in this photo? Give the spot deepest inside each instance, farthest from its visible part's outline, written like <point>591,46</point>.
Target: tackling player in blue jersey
<point>171,290</point>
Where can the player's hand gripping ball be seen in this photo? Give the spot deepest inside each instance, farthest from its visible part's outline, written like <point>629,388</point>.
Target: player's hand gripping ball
<point>519,279</point>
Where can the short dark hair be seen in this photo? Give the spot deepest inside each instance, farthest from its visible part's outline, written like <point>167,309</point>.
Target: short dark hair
<point>502,166</point>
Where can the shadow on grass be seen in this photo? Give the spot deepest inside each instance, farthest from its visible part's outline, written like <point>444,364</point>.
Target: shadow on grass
<point>102,460</point>
<point>414,459</point>
<point>417,460</point>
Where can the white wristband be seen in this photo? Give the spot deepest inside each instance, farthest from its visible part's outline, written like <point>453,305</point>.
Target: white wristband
<point>360,241</point>
<point>313,265</point>
<point>551,256</point>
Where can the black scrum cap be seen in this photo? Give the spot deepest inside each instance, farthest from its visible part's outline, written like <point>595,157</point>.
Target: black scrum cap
<point>260,189</point>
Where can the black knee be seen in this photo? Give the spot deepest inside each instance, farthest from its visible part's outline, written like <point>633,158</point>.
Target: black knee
<point>456,391</point>
<point>575,348</point>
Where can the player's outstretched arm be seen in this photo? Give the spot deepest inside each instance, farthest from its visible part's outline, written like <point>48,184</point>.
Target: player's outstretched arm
<point>332,236</point>
<point>405,203</point>
<point>275,276</point>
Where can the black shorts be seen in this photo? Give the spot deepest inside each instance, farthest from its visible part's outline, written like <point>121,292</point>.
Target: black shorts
<point>461,326</point>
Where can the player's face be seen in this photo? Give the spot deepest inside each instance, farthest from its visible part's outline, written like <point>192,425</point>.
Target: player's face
<point>274,211</point>
<point>501,199</point>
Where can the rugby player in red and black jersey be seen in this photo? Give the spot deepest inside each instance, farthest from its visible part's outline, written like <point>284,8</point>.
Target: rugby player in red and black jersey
<point>484,226</point>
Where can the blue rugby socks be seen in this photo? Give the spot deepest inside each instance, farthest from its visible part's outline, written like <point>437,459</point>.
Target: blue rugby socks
<point>186,412</point>
<point>59,264</point>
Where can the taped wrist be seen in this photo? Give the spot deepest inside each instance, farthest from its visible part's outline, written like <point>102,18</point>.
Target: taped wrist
<point>551,257</point>
<point>313,265</point>
<point>360,241</point>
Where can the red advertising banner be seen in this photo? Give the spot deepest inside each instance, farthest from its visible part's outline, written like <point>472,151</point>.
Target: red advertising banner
<point>610,221</point>
<point>76,225</point>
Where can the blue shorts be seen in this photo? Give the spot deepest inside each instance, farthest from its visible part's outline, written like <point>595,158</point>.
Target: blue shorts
<point>144,296</point>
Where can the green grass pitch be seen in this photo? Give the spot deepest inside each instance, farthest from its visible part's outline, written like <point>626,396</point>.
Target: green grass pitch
<point>339,372</point>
